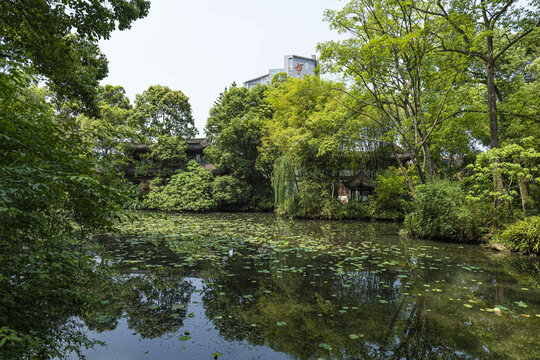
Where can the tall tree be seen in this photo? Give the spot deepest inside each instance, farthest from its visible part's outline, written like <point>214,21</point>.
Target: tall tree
<point>111,129</point>
<point>483,30</point>
<point>114,96</point>
<point>160,110</point>
<point>234,130</point>
<point>397,80</point>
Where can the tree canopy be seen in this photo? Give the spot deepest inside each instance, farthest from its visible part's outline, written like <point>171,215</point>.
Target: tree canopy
<point>160,110</point>
<point>58,41</point>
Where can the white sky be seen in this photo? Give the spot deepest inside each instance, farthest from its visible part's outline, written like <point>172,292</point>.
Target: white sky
<point>202,46</point>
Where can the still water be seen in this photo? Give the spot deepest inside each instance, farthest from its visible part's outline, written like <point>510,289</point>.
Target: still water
<point>252,286</point>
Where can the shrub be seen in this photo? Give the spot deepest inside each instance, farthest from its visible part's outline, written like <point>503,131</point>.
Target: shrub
<point>313,200</point>
<point>331,208</point>
<point>167,155</point>
<point>356,210</point>
<point>523,235</point>
<point>392,198</point>
<point>442,212</point>
<point>228,191</point>
<point>189,190</point>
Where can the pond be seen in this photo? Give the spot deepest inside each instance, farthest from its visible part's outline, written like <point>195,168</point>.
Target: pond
<point>253,286</point>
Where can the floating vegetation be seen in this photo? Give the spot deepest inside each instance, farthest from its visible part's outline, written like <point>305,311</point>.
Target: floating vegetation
<point>297,287</point>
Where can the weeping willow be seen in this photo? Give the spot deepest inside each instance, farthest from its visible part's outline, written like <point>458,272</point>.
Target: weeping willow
<point>283,181</point>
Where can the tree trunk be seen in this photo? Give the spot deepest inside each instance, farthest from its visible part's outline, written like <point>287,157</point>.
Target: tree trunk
<point>523,192</point>
<point>492,97</point>
<point>493,122</point>
<point>404,172</point>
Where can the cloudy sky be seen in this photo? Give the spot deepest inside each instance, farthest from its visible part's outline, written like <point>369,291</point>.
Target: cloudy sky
<point>203,46</point>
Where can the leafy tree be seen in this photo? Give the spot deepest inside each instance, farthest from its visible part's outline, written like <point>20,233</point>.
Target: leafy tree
<point>49,190</point>
<point>518,167</point>
<point>114,96</point>
<point>58,40</point>
<point>234,131</point>
<point>318,136</point>
<point>162,111</point>
<point>52,188</point>
<point>484,30</point>
<point>397,78</point>
<point>110,131</point>
<point>283,181</point>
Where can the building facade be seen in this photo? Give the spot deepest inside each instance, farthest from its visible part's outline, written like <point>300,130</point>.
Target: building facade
<point>293,65</point>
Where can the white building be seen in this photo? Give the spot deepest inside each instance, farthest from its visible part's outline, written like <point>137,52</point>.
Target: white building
<point>293,65</point>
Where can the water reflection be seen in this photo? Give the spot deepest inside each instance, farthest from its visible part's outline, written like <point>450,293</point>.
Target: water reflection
<point>371,295</point>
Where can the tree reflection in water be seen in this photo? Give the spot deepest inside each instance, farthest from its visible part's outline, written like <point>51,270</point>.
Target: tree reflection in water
<point>387,298</point>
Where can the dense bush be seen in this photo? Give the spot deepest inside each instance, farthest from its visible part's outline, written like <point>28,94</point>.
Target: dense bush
<point>392,198</point>
<point>356,210</point>
<point>229,191</point>
<point>523,235</point>
<point>443,212</point>
<point>189,190</point>
<point>167,155</point>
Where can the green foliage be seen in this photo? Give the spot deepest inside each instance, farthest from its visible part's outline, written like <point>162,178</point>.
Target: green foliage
<point>229,192</point>
<point>312,200</point>
<point>517,166</point>
<point>58,40</point>
<point>443,212</point>
<point>392,197</point>
<point>523,235</point>
<point>51,187</point>
<point>114,96</point>
<point>162,111</point>
<point>387,44</point>
<point>283,181</point>
<point>110,132</point>
<point>356,210</point>
<point>189,190</point>
<point>234,131</point>
<point>167,155</point>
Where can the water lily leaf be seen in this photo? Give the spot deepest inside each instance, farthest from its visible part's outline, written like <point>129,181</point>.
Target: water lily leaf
<point>216,355</point>
<point>184,338</point>
<point>353,336</point>
<point>281,323</point>
<point>521,304</point>
<point>325,346</point>
<point>467,305</point>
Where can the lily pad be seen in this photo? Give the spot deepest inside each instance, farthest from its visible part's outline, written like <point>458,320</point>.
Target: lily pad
<point>325,346</point>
